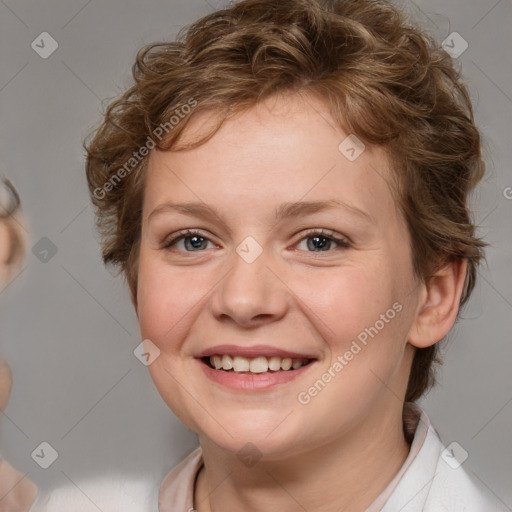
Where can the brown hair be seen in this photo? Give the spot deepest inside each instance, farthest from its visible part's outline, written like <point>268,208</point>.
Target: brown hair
<point>384,80</point>
<point>10,216</point>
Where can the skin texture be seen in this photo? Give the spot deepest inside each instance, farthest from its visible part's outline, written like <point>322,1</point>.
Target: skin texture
<point>339,451</point>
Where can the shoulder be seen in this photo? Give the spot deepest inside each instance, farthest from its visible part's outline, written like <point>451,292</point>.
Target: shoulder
<point>115,492</point>
<point>435,480</point>
<point>452,489</point>
<point>110,493</point>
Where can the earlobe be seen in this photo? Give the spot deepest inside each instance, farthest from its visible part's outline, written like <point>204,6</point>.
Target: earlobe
<point>439,304</point>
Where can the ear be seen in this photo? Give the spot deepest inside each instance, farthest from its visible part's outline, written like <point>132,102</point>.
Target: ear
<point>439,304</point>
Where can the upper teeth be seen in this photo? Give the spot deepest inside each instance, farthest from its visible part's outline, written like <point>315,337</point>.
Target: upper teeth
<point>255,365</point>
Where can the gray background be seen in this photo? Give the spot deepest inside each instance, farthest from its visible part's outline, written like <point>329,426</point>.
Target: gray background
<point>67,326</point>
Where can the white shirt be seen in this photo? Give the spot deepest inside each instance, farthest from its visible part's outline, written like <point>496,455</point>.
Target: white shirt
<point>430,480</point>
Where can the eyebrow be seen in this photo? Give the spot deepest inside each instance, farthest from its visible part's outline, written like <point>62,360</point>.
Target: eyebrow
<point>285,211</point>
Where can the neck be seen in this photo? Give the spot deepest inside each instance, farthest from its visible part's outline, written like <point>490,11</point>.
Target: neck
<point>346,474</point>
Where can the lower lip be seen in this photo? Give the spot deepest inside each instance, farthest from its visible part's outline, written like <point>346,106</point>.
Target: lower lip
<point>252,382</point>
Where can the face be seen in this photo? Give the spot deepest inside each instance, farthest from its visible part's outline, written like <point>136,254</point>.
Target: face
<point>292,255</point>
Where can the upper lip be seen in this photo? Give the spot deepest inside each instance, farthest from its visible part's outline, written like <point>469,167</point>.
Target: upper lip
<point>252,351</point>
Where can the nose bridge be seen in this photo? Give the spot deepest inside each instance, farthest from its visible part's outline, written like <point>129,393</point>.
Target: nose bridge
<point>249,292</point>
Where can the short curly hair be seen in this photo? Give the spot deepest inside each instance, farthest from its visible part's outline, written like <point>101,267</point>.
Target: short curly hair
<point>384,80</point>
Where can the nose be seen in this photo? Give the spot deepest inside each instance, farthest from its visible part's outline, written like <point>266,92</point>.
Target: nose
<point>250,294</point>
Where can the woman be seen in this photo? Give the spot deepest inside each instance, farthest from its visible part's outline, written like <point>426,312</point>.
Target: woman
<point>285,190</point>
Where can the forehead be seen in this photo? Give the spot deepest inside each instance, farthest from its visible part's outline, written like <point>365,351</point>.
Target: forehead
<point>285,149</point>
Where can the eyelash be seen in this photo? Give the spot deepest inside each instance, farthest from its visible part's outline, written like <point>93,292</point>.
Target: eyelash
<point>342,243</point>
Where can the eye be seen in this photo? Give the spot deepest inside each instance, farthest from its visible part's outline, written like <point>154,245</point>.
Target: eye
<point>316,241</point>
<point>322,240</point>
<point>193,241</point>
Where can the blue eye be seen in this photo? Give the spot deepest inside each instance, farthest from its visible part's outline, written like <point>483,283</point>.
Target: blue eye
<point>322,241</point>
<point>316,241</point>
<point>192,240</point>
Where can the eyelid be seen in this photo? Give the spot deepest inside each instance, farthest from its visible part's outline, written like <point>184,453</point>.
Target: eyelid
<point>185,233</point>
<point>341,240</point>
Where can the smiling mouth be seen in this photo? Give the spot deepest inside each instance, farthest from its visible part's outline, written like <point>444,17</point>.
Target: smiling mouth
<point>255,365</point>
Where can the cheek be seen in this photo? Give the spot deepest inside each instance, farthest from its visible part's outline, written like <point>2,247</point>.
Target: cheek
<point>348,299</point>
<point>165,300</point>
<point>165,306</point>
<point>364,320</point>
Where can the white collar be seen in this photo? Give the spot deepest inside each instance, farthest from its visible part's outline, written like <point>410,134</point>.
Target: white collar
<point>425,482</point>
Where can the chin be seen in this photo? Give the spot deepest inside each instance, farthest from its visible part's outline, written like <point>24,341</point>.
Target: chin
<point>248,436</point>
